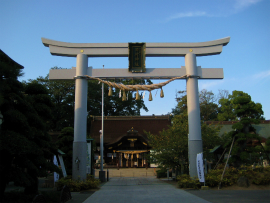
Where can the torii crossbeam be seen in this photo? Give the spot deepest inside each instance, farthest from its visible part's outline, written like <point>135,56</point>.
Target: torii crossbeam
<point>84,50</point>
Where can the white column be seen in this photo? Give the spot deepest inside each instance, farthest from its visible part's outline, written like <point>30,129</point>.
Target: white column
<point>121,161</point>
<point>194,121</point>
<point>80,120</point>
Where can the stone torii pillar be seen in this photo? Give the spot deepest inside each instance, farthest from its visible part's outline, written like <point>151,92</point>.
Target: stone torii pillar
<point>84,50</point>
<point>194,119</point>
<point>80,119</point>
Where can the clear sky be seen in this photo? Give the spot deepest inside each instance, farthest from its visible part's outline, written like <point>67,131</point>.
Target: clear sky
<point>245,60</point>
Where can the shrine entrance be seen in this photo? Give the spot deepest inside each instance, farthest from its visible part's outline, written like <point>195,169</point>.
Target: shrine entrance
<point>136,70</point>
<point>126,143</point>
<point>129,151</point>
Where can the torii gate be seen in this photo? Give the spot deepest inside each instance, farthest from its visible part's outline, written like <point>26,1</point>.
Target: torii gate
<point>84,50</point>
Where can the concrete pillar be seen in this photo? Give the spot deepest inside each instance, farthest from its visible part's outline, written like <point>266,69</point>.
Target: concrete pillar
<point>80,120</point>
<point>194,121</point>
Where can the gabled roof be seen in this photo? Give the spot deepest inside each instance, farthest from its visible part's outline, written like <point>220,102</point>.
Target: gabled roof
<point>115,127</point>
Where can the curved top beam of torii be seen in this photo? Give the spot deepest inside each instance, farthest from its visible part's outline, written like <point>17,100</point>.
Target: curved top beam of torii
<point>121,49</point>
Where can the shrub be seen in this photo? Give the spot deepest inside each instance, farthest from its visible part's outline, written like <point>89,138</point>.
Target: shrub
<point>230,177</point>
<point>185,181</point>
<point>162,173</point>
<point>261,176</point>
<point>258,176</point>
<point>78,185</point>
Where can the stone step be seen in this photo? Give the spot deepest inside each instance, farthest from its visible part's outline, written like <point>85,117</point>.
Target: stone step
<point>126,172</point>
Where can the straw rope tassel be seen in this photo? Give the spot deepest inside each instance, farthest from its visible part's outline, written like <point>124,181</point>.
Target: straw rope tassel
<point>124,97</point>
<point>110,91</point>
<point>150,96</point>
<point>137,95</point>
<point>161,93</point>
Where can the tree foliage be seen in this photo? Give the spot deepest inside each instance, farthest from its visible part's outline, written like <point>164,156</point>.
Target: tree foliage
<point>25,145</point>
<point>65,144</point>
<point>208,107</point>
<point>239,106</point>
<point>62,94</point>
<point>170,147</point>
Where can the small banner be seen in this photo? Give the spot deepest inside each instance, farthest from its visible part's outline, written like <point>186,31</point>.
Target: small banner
<point>88,162</point>
<point>62,165</point>
<point>200,170</point>
<point>56,175</point>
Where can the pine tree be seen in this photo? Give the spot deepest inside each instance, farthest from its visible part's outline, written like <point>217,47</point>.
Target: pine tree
<point>25,146</point>
<point>241,108</point>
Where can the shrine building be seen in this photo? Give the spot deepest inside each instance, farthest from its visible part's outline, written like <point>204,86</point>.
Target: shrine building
<point>125,142</point>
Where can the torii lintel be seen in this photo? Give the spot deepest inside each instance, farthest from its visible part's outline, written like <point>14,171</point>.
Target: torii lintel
<point>121,49</point>
<point>151,73</point>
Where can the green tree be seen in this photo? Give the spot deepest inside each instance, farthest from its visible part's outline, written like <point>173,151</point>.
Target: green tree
<point>239,105</point>
<point>208,107</point>
<point>25,145</point>
<point>170,147</point>
<point>241,108</point>
<point>113,105</point>
<point>63,95</point>
<point>65,144</point>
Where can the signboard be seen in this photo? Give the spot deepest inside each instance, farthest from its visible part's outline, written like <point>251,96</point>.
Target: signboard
<point>136,57</point>
<point>199,163</point>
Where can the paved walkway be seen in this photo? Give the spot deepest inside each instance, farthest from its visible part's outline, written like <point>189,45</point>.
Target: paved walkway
<point>233,196</point>
<point>138,189</point>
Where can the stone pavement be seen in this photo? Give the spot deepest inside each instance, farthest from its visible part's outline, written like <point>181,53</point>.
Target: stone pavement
<point>141,189</point>
<point>233,196</point>
<point>151,189</point>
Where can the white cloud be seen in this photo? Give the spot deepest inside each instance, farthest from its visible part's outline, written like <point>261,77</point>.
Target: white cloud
<point>262,75</point>
<point>228,8</point>
<point>210,85</point>
<point>243,4</point>
<point>185,15</point>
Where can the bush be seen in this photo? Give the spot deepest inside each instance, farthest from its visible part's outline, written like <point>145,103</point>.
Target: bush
<point>230,177</point>
<point>78,185</point>
<point>258,176</point>
<point>185,181</point>
<point>261,176</point>
<point>162,173</point>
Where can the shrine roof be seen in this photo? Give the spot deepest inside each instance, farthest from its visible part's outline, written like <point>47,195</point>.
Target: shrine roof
<point>116,127</point>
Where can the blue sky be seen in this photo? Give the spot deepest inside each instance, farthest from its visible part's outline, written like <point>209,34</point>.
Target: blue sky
<point>245,60</point>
